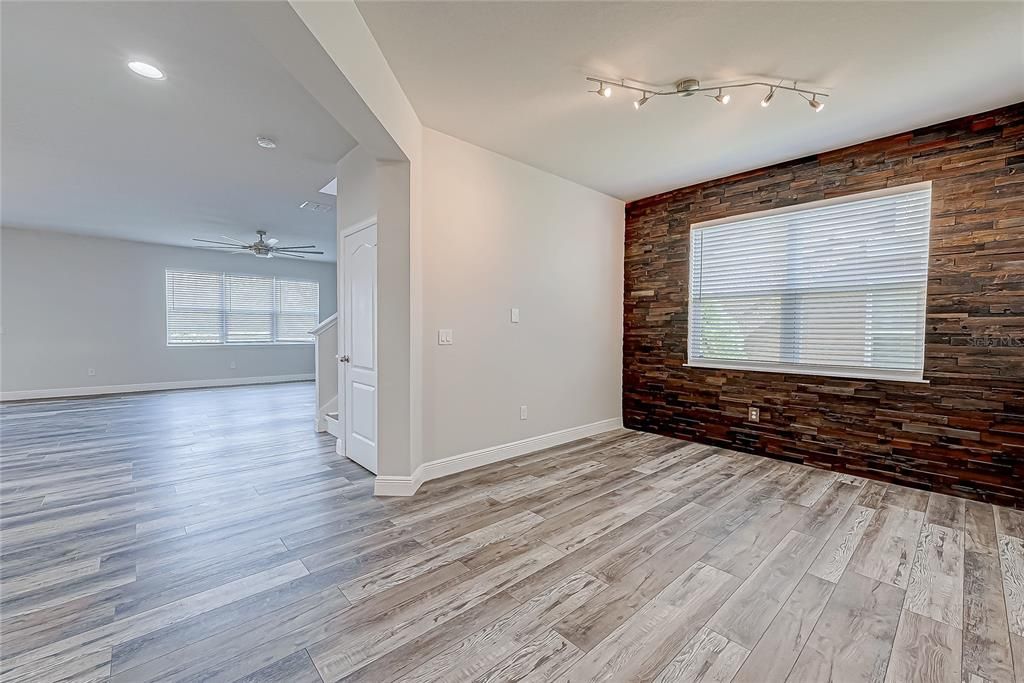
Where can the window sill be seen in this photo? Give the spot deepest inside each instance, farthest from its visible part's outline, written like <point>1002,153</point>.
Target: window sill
<point>235,345</point>
<point>842,373</point>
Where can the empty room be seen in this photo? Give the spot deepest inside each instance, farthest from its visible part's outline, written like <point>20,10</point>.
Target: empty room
<point>436,340</point>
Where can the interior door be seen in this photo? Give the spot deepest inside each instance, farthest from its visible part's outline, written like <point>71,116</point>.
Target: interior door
<point>359,353</point>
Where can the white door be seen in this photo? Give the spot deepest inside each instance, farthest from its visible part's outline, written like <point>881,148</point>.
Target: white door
<point>359,352</point>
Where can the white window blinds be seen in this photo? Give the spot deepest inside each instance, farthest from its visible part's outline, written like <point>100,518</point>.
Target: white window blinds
<point>828,288</point>
<point>298,309</point>
<point>248,309</point>
<point>194,308</point>
<point>225,308</point>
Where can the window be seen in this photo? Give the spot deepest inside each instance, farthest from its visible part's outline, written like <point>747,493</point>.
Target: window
<point>835,287</point>
<point>224,308</point>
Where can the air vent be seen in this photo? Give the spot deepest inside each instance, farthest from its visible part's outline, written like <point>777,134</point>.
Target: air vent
<point>313,206</point>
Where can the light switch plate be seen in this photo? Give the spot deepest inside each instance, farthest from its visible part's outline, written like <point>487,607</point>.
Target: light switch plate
<point>515,315</point>
<point>444,337</point>
<point>522,412</point>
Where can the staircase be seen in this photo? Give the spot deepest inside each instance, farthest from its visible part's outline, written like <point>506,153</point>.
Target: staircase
<point>331,423</point>
<point>325,336</point>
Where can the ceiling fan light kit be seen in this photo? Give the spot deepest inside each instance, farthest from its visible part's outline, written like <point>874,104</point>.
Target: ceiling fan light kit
<point>260,248</point>
<point>688,87</point>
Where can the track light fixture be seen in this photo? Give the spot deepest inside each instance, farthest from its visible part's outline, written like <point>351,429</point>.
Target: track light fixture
<point>687,87</point>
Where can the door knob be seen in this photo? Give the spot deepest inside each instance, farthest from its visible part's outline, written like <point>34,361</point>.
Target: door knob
<point>342,359</point>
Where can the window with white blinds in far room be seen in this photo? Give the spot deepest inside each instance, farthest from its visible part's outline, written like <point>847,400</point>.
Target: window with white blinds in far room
<point>226,308</point>
<point>835,287</point>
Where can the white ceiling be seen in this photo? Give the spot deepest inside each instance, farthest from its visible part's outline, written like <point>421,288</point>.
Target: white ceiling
<point>508,76</point>
<point>89,147</point>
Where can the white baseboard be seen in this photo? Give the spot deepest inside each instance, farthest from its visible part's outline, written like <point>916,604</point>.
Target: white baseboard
<point>397,486</point>
<point>153,386</point>
<point>406,486</point>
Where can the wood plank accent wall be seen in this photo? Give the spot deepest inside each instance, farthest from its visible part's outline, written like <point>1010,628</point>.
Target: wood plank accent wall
<point>963,433</point>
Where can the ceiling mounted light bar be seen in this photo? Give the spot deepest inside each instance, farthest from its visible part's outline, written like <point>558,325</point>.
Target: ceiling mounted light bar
<point>687,87</point>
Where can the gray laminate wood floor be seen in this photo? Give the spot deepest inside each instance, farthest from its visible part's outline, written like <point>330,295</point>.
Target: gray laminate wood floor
<point>213,536</point>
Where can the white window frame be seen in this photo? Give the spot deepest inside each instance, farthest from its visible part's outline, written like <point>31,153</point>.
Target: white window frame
<point>223,312</point>
<point>848,372</point>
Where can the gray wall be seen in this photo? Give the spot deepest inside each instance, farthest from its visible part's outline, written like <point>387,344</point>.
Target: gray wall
<point>69,303</point>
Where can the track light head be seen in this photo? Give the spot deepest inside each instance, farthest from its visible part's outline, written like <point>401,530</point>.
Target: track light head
<point>606,90</point>
<point>815,104</point>
<point>723,98</point>
<point>768,98</point>
<point>641,102</point>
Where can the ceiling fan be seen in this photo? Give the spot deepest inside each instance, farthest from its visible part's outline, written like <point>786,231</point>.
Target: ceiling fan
<point>262,248</point>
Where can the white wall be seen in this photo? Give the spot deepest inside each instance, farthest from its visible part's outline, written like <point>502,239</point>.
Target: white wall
<point>365,97</point>
<point>357,188</point>
<point>498,234</point>
<point>69,303</point>
<point>464,234</point>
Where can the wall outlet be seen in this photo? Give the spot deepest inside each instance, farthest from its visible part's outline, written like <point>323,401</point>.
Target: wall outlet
<point>753,414</point>
<point>92,372</point>
<point>444,337</point>
<point>515,315</point>
<point>522,412</point>
<point>232,365</point>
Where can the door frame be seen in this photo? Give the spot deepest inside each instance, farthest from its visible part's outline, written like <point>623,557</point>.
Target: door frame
<point>342,368</point>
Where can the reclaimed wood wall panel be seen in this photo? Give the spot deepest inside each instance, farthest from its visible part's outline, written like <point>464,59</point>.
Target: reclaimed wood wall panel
<point>963,432</point>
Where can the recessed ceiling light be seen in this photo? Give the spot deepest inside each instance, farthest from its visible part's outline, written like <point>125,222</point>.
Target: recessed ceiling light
<point>265,143</point>
<point>146,70</point>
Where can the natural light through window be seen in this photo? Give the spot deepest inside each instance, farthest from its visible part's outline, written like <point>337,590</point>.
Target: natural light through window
<point>224,308</point>
<point>835,287</point>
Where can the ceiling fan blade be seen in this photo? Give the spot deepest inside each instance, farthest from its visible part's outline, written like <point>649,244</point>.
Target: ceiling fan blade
<point>272,241</point>
<point>302,246</point>
<point>240,245</point>
<point>297,252</point>
<point>285,253</point>
<point>234,240</point>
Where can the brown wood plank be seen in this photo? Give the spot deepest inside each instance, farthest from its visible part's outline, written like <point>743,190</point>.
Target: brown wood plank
<point>103,580</point>
<point>777,650</point>
<point>853,637</point>
<point>924,651</point>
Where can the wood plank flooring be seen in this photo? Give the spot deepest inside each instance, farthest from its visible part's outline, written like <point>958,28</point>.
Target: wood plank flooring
<point>212,535</point>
